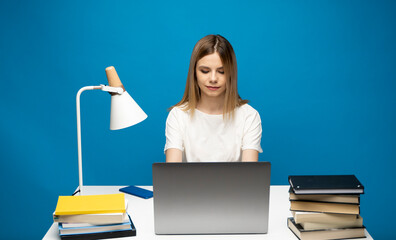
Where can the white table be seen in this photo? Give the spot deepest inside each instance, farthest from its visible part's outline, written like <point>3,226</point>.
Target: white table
<point>142,214</point>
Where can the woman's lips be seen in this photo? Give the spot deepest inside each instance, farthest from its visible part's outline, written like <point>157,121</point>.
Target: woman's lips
<point>212,88</point>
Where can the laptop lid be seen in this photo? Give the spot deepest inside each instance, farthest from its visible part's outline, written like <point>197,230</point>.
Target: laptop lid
<point>211,198</point>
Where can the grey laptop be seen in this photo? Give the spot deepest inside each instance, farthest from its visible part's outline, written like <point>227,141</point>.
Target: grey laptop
<point>211,198</point>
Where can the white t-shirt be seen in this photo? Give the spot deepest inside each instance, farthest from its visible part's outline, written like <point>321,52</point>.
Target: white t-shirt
<point>209,138</point>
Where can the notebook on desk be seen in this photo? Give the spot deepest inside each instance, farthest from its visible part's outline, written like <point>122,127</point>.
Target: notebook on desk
<point>211,198</point>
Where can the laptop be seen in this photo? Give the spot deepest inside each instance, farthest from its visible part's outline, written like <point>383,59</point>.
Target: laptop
<point>211,198</point>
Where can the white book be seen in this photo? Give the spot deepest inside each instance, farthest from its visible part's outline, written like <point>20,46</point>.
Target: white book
<point>85,224</point>
<point>94,228</point>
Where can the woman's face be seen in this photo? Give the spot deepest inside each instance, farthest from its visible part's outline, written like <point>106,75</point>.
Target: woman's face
<point>210,76</point>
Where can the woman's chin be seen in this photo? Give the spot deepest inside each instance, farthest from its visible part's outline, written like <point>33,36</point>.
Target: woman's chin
<point>213,94</point>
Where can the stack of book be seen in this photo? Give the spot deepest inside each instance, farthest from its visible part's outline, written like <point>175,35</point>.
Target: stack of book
<point>93,217</point>
<point>325,207</point>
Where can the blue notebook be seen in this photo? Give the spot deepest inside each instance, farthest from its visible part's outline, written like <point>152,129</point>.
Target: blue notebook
<point>137,191</point>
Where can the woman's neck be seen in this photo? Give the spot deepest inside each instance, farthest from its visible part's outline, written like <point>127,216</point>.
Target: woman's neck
<point>211,105</point>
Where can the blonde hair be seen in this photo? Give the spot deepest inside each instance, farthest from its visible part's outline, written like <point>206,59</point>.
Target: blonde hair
<point>192,94</point>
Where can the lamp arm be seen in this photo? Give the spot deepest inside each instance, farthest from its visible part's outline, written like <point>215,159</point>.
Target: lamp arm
<point>80,176</point>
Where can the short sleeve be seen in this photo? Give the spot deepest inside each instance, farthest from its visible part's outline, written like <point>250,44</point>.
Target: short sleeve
<point>252,131</point>
<point>174,130</point>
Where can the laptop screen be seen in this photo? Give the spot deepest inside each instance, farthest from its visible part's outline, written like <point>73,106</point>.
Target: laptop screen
<point>211,198</point>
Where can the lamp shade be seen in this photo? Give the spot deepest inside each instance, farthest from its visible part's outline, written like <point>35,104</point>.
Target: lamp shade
<point>125,112</point>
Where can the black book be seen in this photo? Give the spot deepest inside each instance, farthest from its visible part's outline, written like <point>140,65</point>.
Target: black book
<point>102,235</point>
<point>330,198</point>
<point>326,184</point>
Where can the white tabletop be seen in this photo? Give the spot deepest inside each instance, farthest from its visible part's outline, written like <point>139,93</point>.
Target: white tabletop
<point>141,212</point>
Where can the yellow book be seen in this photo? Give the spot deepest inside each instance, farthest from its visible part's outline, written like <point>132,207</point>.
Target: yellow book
<point>90,204</point>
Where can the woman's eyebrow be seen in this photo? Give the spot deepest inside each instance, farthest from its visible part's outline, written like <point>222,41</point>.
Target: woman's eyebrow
<point>203,66</point>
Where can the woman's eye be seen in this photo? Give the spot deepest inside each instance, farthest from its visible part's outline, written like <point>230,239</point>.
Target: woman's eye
<point>204,71</point>
<point>221,72</point>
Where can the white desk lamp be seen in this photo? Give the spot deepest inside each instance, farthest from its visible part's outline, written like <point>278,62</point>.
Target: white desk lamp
<point>124,113</point>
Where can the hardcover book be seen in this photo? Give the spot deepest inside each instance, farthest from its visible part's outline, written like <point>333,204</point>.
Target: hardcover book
<point>105,218</point>
<point>326,184</point>
<point>302,217</point>
<point>336,233</point>
<point>102,234</point>
<point>325,207</point>
<point>64,229</point>
<point>332,198</point>
<point>358,222</point>
<point>90,224</point>
<point>91,204</point>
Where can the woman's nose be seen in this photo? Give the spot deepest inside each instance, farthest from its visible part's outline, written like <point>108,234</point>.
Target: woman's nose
<point>213,77</point>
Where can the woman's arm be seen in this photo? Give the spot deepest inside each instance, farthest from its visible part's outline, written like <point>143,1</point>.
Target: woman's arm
<point>251,139</point>
<point>173,155</point>
<point>250,155</point>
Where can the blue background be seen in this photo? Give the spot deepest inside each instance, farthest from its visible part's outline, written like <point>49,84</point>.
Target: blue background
<point>322,75</point>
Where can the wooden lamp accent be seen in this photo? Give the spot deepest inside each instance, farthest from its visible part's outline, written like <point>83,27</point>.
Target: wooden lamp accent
<point>112,78</point>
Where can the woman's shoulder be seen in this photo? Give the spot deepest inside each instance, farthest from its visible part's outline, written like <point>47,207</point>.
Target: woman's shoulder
<point>247,115</point>
<point>178,111</point>
<point>246,109</point>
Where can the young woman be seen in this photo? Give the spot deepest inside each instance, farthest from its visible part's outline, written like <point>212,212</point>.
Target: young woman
<point>212,123</point>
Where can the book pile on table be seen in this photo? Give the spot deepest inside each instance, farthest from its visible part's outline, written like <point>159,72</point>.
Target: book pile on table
<point>325,207</point>
<point>93,217</point>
